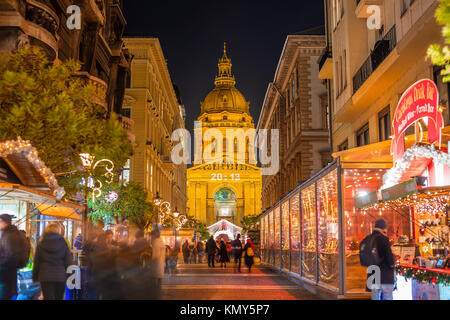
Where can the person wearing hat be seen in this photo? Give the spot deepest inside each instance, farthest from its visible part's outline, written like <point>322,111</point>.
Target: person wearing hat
<point>8,259</point>
<point>387,264</point>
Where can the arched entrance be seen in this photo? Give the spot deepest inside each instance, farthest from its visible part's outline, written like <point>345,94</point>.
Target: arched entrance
<point>225,205</point>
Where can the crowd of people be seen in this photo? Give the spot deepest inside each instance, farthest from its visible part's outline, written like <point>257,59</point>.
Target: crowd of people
<point>220,252</point>
<point>115,270</point>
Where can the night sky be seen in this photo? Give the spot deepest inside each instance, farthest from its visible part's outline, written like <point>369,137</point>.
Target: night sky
<point>192,35</point>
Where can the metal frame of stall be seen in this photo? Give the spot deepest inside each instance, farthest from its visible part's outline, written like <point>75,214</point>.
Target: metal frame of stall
<point>267,252</point>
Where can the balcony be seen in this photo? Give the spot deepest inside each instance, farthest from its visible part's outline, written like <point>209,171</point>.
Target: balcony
<point>326,64</point>
<point>43,16</point>
<point>363,5</point>
<point>100,87</point>
<point>379,53</point>
<point>128,124</point>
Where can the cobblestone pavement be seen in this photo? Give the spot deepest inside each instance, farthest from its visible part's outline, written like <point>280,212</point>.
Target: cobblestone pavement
<point>198,282</point>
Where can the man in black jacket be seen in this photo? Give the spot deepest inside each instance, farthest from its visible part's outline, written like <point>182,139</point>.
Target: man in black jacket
<point>236,246</point>
<point>387,262</point>
<point>211,249</point>
<point>9,244</point>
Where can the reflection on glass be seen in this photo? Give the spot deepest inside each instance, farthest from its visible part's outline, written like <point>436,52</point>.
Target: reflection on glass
<point>328,230</point>
<point>309,232</point>
<point>295,234</point>
<point>359,223</point>
<point>277,235</point>
<point>285,246</point>
<point>271,237</point>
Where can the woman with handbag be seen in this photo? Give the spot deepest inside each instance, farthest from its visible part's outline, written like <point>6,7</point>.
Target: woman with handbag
<point>249,250</point>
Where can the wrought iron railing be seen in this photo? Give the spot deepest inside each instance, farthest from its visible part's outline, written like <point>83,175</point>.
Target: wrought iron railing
<point>379,53</point>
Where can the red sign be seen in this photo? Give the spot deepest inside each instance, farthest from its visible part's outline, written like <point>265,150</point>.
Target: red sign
<point>421,100</point>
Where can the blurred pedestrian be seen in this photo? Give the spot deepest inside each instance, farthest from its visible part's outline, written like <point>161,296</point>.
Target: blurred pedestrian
<point>10,251</point>
<point>200,251</point>
<point>192,253</point>
<point>236,247</point>
<point>78,244</point>
<point>186,252</point>
<point>223,253</point>
<point>211,249</point>
<point>157,263</point>
<point>249,250</point>
<point>173,259</point>
<point>51,260</point>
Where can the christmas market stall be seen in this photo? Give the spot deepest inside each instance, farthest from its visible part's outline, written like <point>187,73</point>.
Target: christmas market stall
<point>30,193</point>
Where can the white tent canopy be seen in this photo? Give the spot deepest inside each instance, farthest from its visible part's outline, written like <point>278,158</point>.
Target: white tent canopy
<point>224,227</point>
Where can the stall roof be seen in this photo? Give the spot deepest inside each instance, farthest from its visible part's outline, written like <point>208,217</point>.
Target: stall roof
<point>47,204</point>
<point>380,152</point>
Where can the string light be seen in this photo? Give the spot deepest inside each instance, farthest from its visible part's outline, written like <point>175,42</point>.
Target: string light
<point>31,154</point>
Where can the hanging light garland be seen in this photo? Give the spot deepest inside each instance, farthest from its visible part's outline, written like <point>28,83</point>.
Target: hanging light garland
<point>393,176</point>
<point>31,154</point>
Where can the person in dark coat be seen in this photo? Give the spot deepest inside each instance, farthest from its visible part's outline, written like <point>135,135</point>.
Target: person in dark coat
<point>236,247</point>
<point>9,244</point>
<point>186,252</point>
<point>249,250</point>
<point>200,251</point>
<point>387,265</point>
<point>211,249</point>
<point>51,261</point>
<point>223,255</point>
<point>78,244</point>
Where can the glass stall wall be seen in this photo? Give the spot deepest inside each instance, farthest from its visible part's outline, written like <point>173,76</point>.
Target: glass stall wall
<point>277,236</point>
<point>266,238</point>
<point>285,238</point>
<point>328,230</point>
<point>295,234</point>
<point>271,238</point>
<point>261,236</point>
<point>359,223</point>
<point>309,257</point>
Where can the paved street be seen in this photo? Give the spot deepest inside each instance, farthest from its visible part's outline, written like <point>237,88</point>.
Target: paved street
<point>198,282</point>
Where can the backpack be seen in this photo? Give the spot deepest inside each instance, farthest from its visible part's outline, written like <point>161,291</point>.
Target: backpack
<point>368,252</point>
<point>23,250</point>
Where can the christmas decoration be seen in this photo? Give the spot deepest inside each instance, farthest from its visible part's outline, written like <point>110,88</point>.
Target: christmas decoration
<point>10,147</point>
<point>393,176</point>
<point>422,275</point>
<point>111,197</point>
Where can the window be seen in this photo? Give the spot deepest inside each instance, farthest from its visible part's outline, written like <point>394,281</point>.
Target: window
<point>343,146</point>
<point>324,107</point>
<point>338,89</point>
<point>125,175</point>
<point>362,136</point>
<point>405,5</point>
<point>344,69</point>
<point>384,124</point>
<point>126,112</point>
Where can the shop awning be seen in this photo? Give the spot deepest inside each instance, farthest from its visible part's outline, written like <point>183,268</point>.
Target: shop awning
<point>379,154</point>
<point>47,204</point>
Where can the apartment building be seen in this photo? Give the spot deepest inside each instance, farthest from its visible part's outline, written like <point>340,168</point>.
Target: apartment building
<point>156,108</point>
<point>296,103</point>
<point>371,65</point>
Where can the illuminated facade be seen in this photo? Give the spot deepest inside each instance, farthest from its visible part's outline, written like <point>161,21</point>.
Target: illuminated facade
<point>230,190</point>
<point>156,108</point>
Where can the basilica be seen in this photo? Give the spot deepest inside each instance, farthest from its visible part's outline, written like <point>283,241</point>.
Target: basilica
<point>224,190</point>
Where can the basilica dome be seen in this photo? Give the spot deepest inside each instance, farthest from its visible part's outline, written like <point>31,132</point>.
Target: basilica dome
<point>225,96</point>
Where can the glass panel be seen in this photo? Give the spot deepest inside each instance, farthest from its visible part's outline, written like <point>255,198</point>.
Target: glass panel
<point>295,234</point>
<point>359,223</point>
<point>328,230</point>
<point>277,236</point>
<point>271,238</point>
<point>266,238</point>
<point>285,239</point>
<point>309,261</point>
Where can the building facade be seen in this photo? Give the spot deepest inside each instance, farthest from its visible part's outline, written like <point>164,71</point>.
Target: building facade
<point>373,65</point>
<point>223,183</point>
<point>155,106</point>
<point>296,103</point>
<point>97,44</point>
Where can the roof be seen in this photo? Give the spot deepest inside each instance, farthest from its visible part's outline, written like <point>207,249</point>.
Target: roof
<point>320,30</point>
